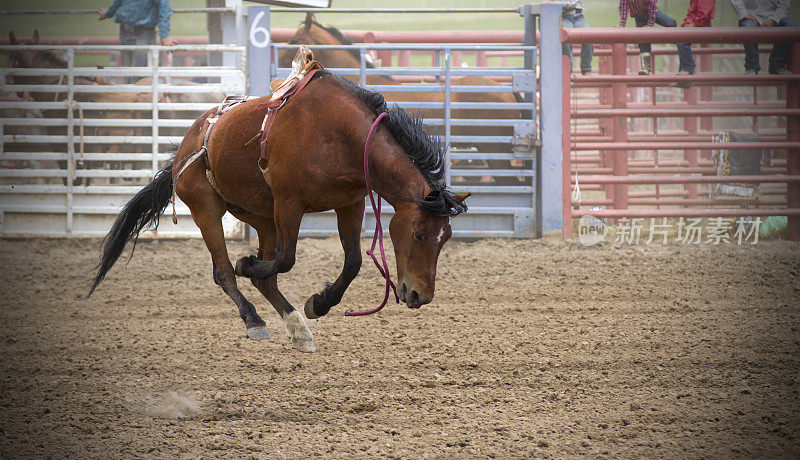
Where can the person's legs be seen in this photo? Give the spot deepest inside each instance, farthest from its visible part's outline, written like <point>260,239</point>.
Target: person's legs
<point>750,49</point>
<point>664,20</point>
<point>685,57</point>
<point>781,52</point>
<point>143,36</point>
<point>126,38</point>
<point>643,47</point>
<point>645,61</point>
<point>567,22</point>
<point>587,49</point>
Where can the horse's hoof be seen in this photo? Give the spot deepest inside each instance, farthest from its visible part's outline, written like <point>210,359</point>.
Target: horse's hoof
<point>239,269</point>
<point>257,332</point>
<point>304,345</point>
<point>242,263</point>
<point>309,308</point>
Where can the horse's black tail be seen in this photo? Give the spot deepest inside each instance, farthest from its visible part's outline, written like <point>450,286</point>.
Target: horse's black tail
<point>140,213</point>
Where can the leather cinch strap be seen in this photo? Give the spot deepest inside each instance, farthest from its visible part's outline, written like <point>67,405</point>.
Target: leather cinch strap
<point>223,107</point>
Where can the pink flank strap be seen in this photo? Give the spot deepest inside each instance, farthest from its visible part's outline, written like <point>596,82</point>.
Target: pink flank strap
<point>383,267</point>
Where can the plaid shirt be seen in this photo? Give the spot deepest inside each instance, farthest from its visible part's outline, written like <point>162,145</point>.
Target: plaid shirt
<point>638,9</point>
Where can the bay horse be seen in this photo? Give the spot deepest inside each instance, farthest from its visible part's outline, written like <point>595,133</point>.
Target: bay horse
<point>312,33</point>
<point>315,162</point>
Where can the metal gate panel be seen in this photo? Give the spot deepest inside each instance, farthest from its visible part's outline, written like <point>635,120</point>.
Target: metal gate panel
<point>503,200</point>
<point>70,174</point>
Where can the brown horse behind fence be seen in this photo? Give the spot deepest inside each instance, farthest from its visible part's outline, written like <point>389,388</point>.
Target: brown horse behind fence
<point>50,60</point>
<point>315,153</point>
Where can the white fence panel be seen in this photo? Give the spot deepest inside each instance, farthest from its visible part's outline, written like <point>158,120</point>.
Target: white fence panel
<point>76,150</point>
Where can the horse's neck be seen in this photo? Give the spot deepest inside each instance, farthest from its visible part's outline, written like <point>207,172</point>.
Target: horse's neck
<point>392,174</point>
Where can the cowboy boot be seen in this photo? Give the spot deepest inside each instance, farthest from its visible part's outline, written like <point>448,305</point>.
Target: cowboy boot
<point>644,60</point>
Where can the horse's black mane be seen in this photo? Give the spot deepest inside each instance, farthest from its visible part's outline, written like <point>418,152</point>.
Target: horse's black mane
<point>427,153</point>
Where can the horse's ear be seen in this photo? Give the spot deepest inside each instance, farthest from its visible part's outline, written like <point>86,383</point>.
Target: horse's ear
<point>12,38</point>
<point>35,40</point>
<point>310,19</point>
<point>462,197</point>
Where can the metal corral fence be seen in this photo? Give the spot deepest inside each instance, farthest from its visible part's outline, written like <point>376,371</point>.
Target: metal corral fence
<point>636,147</point>
<point>69,180</point>
<point>78,142</point>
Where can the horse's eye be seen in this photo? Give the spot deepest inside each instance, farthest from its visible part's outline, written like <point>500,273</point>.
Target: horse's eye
<point>418,237</point>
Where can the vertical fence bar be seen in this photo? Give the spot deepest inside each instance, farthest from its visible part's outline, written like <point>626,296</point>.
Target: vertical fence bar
<point>437,62</point>
<point>793,156</point>
<point>566,147</point>
<point>529,57</point>
<point>690,125</point>
<point>603,123</point>
<point>404,58</point>
<point>550,175</point>
<point>619,95</point>
<point>71,138</point>
<point>154,73</point>
<point>535,111</point>
<point>362,66</point>
<point>706,93</point>
<point>447,100</point>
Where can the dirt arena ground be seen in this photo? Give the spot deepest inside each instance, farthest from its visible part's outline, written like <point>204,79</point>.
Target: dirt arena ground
<point>530,349</point>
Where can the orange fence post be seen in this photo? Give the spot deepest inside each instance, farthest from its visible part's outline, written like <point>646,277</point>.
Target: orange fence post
<point>566,146</point>
<point>793,155</point>
<point>619,95</point>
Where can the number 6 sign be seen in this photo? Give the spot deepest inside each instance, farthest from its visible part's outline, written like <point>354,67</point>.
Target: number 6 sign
<point>259,36</point>
<point>258,51</point>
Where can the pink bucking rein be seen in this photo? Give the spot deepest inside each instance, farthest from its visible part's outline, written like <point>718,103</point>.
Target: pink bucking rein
<point>383,267</point>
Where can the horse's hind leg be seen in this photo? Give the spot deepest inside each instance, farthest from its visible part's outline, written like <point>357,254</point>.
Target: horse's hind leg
<point>288,215</point>
<point>349,220</point>
<point>207,210</point>
<point>295,325</point>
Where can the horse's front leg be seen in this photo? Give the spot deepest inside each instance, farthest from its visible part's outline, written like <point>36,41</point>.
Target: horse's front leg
<point>287,226</point>
<point>349,219</point>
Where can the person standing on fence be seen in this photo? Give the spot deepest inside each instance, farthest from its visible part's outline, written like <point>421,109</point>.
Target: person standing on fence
<point>646,13</point>
<point>765,13</point>
<point>700,14</point>
<point>137,21</point>
<point>572,17</point>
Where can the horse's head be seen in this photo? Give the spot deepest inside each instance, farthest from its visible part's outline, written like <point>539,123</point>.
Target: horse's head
<point>418,233</point>
<point>313,33</point>
<point>33,58</point>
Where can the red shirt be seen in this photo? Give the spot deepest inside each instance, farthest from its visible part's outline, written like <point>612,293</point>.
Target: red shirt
<point>700,13</point>
<point>638,9</point>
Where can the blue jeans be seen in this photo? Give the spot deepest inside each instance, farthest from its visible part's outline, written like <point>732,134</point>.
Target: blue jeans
<point>577,21</point>
<point>684,49</point>
<point>779,56</point>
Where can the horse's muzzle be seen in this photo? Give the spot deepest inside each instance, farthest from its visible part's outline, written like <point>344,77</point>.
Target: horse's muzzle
<point>411,298</point>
